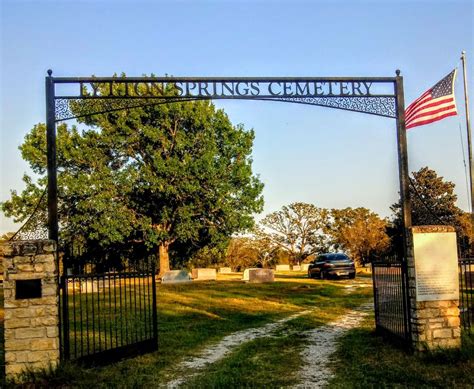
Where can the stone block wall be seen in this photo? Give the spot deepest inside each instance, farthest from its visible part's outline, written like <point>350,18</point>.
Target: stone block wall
<point>31,324</point>
<point>434,324</point>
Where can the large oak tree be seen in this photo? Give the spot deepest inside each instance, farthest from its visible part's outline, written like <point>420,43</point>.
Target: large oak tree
<point>153,176</point>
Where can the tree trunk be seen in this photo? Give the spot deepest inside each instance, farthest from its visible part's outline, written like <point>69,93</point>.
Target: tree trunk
<point>163,253</point>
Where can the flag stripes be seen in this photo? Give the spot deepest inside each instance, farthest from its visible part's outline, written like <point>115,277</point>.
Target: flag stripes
<point>435,104</point>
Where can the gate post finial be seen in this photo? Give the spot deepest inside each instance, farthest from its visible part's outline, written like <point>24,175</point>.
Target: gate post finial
<point>50,72</point>
<point>397,72</point>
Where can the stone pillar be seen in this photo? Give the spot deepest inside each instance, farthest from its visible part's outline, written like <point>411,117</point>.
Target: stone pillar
<point>30,285</point>
<point>434,287</point>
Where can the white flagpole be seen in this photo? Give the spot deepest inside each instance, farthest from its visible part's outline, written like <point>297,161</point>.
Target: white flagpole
<point>468,126</point>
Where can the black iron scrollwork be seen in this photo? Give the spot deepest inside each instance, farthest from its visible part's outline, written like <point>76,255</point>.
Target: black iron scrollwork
<point>380,106</point>
<point>35,226</point>
<point>67,109</point>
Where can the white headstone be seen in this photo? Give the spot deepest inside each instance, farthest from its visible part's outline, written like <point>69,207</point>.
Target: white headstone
<point>305,266</point>
<point>282,268</point>
<point>175,276</point>
<point>296,268</point>
<point>89,286</point>
<point>225,270</point>
<point>204,274</point>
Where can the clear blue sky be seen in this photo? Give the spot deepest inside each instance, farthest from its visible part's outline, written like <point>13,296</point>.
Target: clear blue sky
<point>327,157</point>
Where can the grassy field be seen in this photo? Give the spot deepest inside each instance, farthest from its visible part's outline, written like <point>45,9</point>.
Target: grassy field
<point>193,316</point>
<point>365,360</point>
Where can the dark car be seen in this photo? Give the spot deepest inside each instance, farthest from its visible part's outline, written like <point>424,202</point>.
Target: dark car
<point>332,265</point>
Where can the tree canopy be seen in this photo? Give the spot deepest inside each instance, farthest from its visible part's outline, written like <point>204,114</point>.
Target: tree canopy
<point>358,231</point>
<point>151,179</point>
<point>434,202</point>
<point>297,228</point>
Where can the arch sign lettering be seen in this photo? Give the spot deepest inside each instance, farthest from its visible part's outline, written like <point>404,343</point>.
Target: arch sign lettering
<point>381,96</point>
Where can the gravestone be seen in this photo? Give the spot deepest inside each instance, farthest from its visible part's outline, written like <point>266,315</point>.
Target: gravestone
<point>225,270</point>
<point>260,275</point>
<point>246,276</point>
<point>282,268</point>
<point>89,286</point>
<point>305,266</point>
<point>296,268</point>
<point>176,277</point>
<point>204,274</point>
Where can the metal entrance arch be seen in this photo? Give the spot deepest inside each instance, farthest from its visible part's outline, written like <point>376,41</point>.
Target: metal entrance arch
<point>380,96</point>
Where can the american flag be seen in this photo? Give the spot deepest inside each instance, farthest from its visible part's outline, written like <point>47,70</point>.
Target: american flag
<point>435,104</point>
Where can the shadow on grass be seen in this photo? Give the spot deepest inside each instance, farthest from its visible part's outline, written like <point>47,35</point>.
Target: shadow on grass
<point>365,359</point>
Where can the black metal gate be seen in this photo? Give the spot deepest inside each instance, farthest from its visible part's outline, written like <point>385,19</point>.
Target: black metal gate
<point>108,316</point>
<point>466,292</point>
<point>391,300</point>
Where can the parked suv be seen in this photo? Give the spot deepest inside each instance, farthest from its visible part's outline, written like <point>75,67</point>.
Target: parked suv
<point>332,265</point>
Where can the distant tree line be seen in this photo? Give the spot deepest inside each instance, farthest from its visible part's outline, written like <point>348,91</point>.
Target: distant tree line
<point>299,231</point>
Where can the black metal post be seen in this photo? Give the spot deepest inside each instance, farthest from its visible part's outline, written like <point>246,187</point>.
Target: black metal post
<point>53,204</point>
<point>402,155</point>
<point>51,157</point>
<point>154,307</point>
<point>404,195</point>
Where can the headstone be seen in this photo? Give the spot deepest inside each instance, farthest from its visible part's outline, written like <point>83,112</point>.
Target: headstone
<point>246,276</point>
<point>204,274</point>
<point>225,270</point>
<point>296,268</point>
<point>89,286</point>
<point>261,275</point>
<point>282,268</point>
<point>305,266</point>
<point>175,277</point>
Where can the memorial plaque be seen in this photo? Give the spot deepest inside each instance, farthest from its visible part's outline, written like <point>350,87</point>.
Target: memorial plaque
<point>436,266</point>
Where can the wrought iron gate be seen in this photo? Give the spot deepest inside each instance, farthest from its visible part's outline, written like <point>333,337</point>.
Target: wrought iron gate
<point>109,315</point>
<point>466,292</point>
<point>391,300</point>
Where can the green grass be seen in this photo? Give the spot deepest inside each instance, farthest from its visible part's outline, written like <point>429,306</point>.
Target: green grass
<point>191,316</point>
<point>264,362</point>
<point>365,360</point>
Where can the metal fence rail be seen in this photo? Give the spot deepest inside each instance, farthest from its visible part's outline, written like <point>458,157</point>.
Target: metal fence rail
<point>466,292</point>
<point>391,300</point>
<point>108,316</point>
